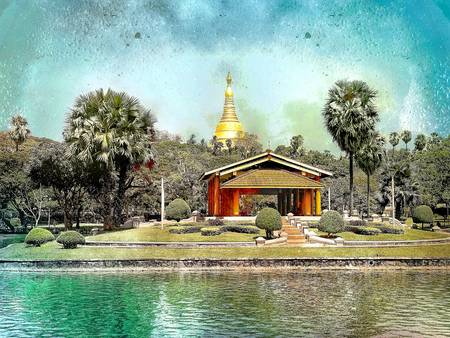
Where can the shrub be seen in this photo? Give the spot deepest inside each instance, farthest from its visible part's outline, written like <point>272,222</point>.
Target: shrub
<point>177,210</point>
<point>331,222</point>
<point>422,214</point>
<point>70,239</point>
<point>357,223</point>
<point>15,222</point>
<point>242,229</point>
<point>268,219</point>
<point>214,222</point>
<point>368,231</point>
<point>39,236</point>
<point>211,231</point>
<point>388,229</point>
<point>185,229</point>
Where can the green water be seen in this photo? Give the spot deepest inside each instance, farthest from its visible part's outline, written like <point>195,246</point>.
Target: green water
<point>225,304</point>
<point>6,240</point>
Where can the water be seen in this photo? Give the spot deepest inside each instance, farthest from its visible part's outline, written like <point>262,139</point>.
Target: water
<point>6,240</point>
<point>339,303</point>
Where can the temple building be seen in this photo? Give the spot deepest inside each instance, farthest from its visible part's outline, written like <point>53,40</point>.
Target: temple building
<point>229,126</point>
<point>297,185</point>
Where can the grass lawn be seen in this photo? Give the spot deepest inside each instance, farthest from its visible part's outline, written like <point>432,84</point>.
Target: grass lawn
<point>155,234</point>
<point>52,251</point>
<point>410,234</point>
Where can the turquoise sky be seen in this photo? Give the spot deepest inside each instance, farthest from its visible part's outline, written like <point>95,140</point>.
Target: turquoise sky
<point>174,56</point>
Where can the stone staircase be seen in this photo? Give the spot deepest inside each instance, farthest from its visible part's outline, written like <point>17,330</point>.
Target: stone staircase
<point>294,235</point>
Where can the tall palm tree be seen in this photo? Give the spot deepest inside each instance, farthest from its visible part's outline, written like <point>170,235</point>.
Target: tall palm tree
<point>394,139</point>
<point>369,159</point>
<point>420,142</point>
<point>19,130</point>
<point>350,117</point>
<point>406,137</point>
<point>112,131</point>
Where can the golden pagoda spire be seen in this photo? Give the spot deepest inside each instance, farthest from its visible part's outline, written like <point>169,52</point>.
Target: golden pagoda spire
<point>229,126</point>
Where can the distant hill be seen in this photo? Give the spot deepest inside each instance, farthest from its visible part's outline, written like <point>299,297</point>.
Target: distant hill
<point>7,146</point>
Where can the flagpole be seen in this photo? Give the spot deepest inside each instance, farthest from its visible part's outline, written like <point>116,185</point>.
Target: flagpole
<point>162,203</point>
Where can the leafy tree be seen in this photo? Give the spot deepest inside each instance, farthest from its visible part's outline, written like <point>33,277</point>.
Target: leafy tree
<point>66,176</point>
<point>406,137</point>
<point>350,117</point>
<point>421,142</point>
<point>248,146</point>
<point>110,132</point>
<point>216,146</point>
<point>394,139</point>
<point>229,145</point>
<point>422,214</point>
<point>178,209</point>
<point>331,222</point>
<point>268,219</point>
<point>434,139</point>
<point>296,146</point>
<point>192,139</point>
<point>369,159</point>
<point>19,130</point>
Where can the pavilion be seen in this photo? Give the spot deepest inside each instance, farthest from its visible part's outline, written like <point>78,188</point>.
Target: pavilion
<point>296,185</point>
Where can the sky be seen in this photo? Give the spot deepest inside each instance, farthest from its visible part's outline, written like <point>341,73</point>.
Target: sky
<point>174,56</point>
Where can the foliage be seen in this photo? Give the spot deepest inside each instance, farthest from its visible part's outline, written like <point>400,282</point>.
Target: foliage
<point>388,229</point>
<point>248,146</point>
<point>394,139</point>
<point>422,214</point>
<point>19,130</point>
<point>420,143</point>
<point>178,209</point>
<point>15,222</point>
<point>406,137</point>
<point>357,222</point>
<point>110,132</point>
<point>242,229</point>
<point>186,229</point>
<point>268,219</point>
<point>211,231</point>
<point>70,239</point>
<point>369,231</point>
<point>39,236</point>
<point>350,117</point>
<point>331,222</point>
<point>215,222</point>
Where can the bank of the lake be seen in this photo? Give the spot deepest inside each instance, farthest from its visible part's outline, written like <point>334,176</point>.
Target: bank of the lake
<point>314,303</point>
<point>7,239</point>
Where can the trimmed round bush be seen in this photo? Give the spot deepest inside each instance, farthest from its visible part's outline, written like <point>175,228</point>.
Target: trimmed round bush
<point>70,239</point>
<point>39,236</point>
<point>211,231</point>
<point>177,210</point>
<point>331,222</point>
<point>268,219</point>
<point>422,214</point>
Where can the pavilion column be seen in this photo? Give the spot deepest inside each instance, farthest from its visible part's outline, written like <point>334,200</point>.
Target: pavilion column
<point>289,201</point>
<point>318,206</point>
<point>216,196</point>
<point>300,202</point>
<point>295,209</point>
<point>236,202</point>
<point>284,203</point>
<point>306,202</point>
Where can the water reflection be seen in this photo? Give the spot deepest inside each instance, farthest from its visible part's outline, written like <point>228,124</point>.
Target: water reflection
<point>340,303</point>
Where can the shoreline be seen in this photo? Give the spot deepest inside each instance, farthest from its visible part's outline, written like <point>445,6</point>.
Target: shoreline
<point>259,264</point>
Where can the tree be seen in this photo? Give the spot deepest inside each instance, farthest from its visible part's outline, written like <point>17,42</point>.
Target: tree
<point>422,214</point>
<point>421,142</point>
<point>110,132</point>
<point>296,146</point>
<point>229,145</point>
<point>19,130</point>
<point>406,137</point>
<point>331,222</point>
<point>192,139</point>
<point>66,176</point>
<point>394,139</point>
<point>248,146</point>
<point>350,117</point>
<point>178,209</point>
<point>268,219</point>
<point>216,146</point>
<point>369,159</point>
<point>434,139</point>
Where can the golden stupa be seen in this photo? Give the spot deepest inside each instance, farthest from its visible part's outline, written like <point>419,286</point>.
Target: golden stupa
<point>229,126</point>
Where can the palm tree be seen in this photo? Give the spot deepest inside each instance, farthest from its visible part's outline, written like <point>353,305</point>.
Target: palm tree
<point>369,159</point>
<point>112,131</point>
<point>421,142</point>
<point>406,137</point>
<point>19,130</point>
<point>350,117</point>
<point>394,139</point>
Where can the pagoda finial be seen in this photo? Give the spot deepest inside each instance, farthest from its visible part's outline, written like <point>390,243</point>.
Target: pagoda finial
<point>229,91</point>
<point>229,79</point>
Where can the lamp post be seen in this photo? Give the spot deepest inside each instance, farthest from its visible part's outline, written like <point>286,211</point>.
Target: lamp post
<point>162,203</point>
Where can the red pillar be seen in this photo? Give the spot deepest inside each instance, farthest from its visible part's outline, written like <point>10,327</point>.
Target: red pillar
<point>235,202</point>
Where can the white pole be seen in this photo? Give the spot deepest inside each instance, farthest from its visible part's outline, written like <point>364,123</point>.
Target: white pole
<point>392,197</point>
<point>162,203</point>
<point>329,198</point>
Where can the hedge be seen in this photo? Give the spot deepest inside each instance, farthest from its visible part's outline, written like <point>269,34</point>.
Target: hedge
<point>70,239</point>
<point>389,229</point>
<point>363,230</point>
<point>242,229</point>
<point>186,229</point>
<point>211,231</point>
<point>39,236</point>
<point>215,222</point>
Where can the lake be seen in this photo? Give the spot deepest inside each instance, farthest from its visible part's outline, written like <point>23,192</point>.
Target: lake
<point>7,239</point>
<point>337,303</point>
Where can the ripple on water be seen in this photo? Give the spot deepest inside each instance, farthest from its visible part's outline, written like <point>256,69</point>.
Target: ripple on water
<point>339,303</point>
